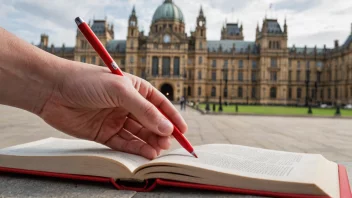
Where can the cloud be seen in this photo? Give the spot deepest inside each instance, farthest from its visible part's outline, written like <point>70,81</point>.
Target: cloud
<point>297,5</point>
<point>311,22</point>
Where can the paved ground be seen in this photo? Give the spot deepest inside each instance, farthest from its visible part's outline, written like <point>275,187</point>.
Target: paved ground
<point>330,137</point>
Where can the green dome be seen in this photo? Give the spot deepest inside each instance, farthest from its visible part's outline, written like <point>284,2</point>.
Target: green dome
<point>168,11</point>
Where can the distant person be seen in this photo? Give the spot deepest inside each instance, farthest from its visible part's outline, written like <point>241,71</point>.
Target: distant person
<point>182,102</point>
<point>86,101</point>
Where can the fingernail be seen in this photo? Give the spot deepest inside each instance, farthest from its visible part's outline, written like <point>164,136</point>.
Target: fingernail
<point>165,126</point>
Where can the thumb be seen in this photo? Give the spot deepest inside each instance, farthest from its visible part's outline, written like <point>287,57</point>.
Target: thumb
<point>147,114</point>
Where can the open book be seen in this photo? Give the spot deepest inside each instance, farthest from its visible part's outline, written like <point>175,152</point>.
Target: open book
<point>231,168</point>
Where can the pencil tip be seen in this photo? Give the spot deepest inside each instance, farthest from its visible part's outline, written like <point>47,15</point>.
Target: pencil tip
<point>194,154</point>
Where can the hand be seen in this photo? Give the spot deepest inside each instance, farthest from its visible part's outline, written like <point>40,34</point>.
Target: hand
<point>90,102</point>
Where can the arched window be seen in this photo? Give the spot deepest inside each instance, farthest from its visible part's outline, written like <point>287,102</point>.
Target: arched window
<point>273,92</point>
<point>213,92</point>
<point>240,92</point>
<point>155,66</point>
<point>199,91</point>
<point>189,93</point>
<point>200,45</point>
<point>278,44</point>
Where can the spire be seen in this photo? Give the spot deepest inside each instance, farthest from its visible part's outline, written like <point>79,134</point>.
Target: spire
<point>133,11</point>
<point>201,11</point>
<point>241,27</point>
<point>257,27</point>
<point>285,26</point>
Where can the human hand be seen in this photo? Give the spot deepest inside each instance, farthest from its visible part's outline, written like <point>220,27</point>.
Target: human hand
<point>90,102</point>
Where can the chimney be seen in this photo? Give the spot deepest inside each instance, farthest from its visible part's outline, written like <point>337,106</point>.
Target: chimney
<point>336,43</point>
<point>52,48</point>
<point>44,39</point>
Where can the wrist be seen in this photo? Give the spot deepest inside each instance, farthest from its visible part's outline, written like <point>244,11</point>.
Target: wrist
<point>27,74</point>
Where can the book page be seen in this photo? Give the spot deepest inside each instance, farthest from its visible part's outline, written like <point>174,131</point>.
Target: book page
<point>74,147</point>
<point>247,161</point>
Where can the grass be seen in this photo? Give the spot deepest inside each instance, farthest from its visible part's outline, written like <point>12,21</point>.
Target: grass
<point>278,110</point>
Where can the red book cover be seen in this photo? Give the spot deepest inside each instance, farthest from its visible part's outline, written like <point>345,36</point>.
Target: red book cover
<point>149,185</point>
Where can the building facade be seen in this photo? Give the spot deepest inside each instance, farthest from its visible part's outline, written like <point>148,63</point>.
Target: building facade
<point>264,71</point>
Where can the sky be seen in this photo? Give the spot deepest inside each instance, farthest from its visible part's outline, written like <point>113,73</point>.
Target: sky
<point>310,22</point>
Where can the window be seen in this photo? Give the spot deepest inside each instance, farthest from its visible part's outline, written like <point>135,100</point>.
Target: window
<point>131,71</point>
<point>131,44</point>
<point>299,92</point>
<point>155,46</point>
<point>273,92</point>
<point>240,76</point>
<point>200,60</point>
<point>290,64</point>
<point>336,93</point>
<point>199,75</point>
<point>83,44</point>
<point>176,66</point>
<point>273,62</point>
<point>240,63</point>
<point>312,93</point>
<point>144,74</point>
<point>166,66</point>
<point>143,60</point>
<point>199,91</point>
<point>225,63</point>
<point>200,45</point>
<point>253,92</point>
<point>307,65</point>
<point>298,65</point>
<point>213,92</point>
<point>214,63</point>
<point>330,75</point>
<point>131,59</point>
<point>329,93</point>
<point>189,93</point>
<point>239,92</point>
<point>289,76</point>
<point>225,92</point>
<point>307,74</point>
<point>155,66</point>
<point>213,75</point>
<point>318,76</point>
<point>254,76</point>
<point>273,76</point>
<point>254,64</point>
<point>83,59</point>
<point>269,44</point>
<point>122,61</point>
<point>290,93</point>
<point>224,75</point>
<point>322,93</point>
<point>298,76</point>
<point>190,61</point>
<point>93,59</point>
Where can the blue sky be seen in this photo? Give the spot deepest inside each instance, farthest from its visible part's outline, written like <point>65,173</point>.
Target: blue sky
<point>310,22</point>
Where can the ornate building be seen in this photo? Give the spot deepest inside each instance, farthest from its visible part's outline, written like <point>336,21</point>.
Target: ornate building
<point>264,71</point>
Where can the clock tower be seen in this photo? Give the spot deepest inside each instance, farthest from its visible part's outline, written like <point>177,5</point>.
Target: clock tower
<point>132,44</point>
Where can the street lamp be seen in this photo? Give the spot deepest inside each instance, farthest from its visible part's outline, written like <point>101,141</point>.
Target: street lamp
<point>307,86</point>
<point>220,103</point>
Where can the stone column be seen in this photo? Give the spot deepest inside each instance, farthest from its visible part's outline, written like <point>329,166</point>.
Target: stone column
<point>160,65</point>
<point>171,65</point>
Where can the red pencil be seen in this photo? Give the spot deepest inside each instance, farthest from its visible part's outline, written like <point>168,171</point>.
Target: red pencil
<point>105,56</point>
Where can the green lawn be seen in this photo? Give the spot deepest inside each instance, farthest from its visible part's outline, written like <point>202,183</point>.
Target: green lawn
<point>278,110</point>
